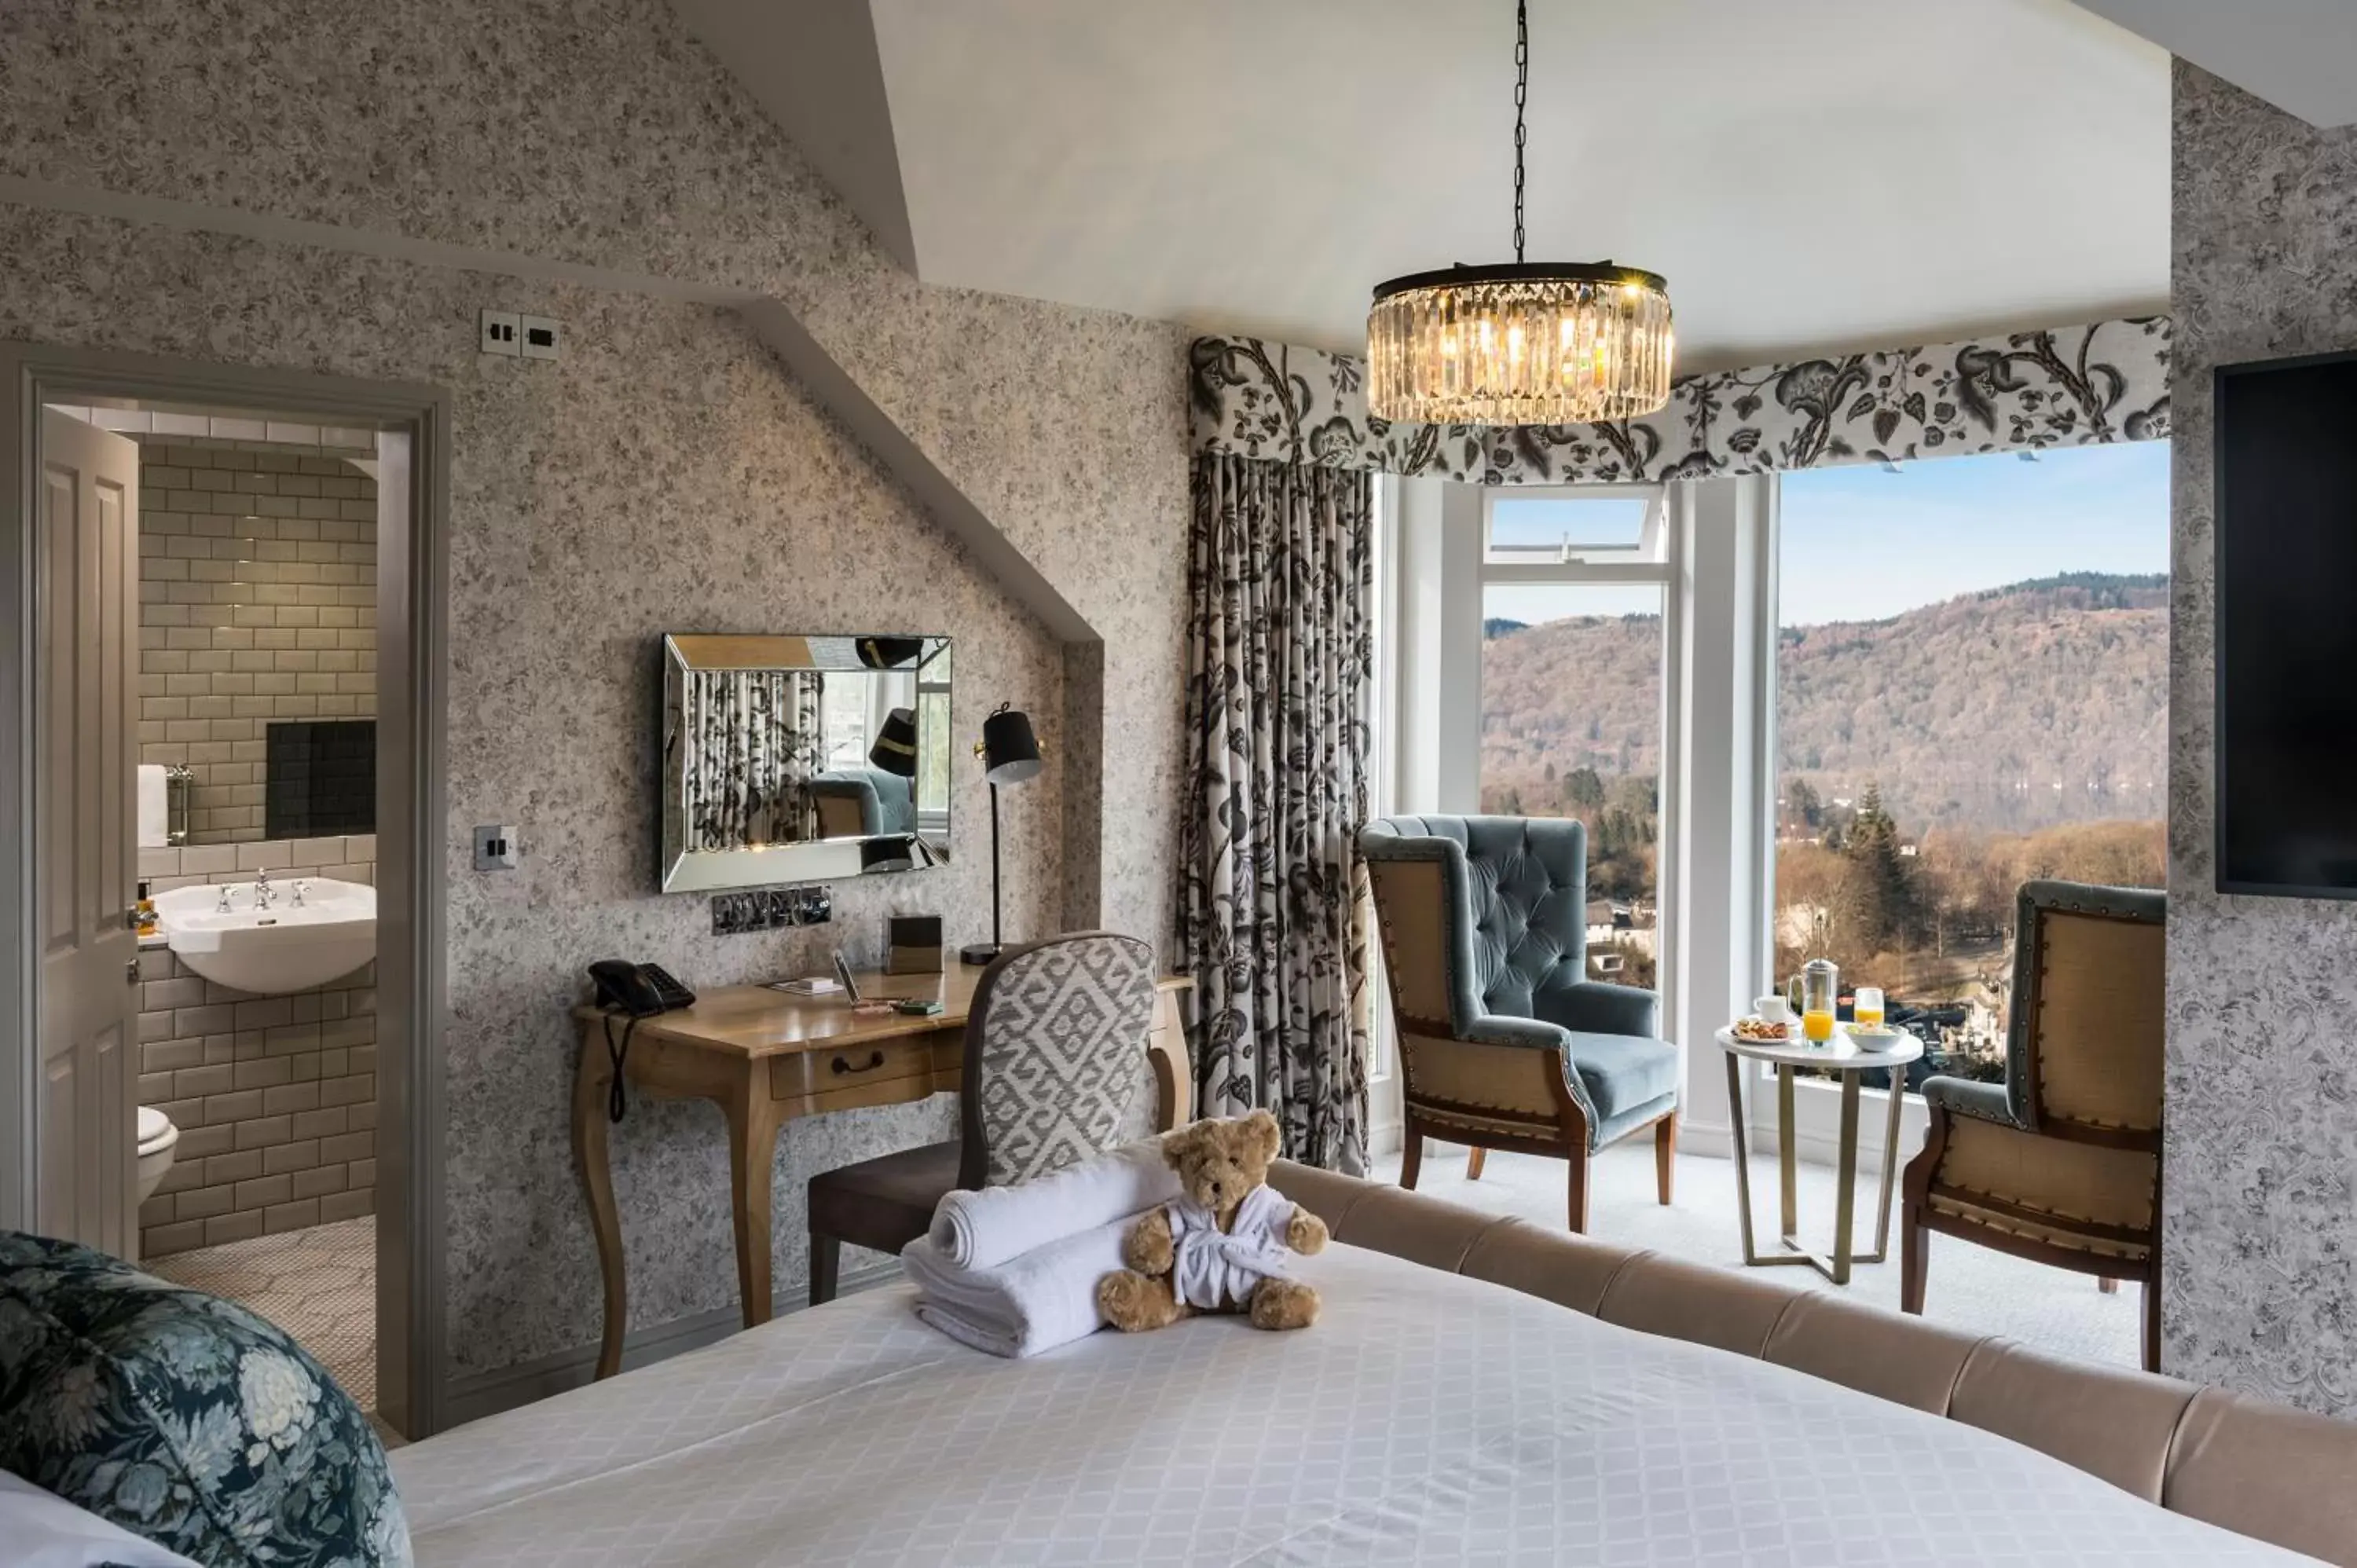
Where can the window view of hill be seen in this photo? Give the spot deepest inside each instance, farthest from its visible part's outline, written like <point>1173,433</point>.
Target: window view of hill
<point>1932,761</point>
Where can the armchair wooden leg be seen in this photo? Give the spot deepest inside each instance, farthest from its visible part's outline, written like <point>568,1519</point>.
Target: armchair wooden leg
<point>1411,1155</point>
<point>1914,1259</point>
<point>1665,1156</point>
<point>825,1267</point>
<point>2152,1324</point>
<point>2108,1287</point>
<point>1579,1205</point>
<point>1474,1162</point>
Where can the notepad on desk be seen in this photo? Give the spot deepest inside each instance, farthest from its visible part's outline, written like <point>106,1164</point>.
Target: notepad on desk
<point>809,986</point>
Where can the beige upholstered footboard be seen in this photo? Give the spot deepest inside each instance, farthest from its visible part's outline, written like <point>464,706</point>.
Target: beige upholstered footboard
<point>2276,1475</point>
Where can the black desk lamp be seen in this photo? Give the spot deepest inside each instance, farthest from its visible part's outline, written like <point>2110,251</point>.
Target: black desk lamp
<point>1010,754</point>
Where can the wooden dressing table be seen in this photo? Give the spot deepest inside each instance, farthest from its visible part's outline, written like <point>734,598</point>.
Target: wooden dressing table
<point>766,1057</point>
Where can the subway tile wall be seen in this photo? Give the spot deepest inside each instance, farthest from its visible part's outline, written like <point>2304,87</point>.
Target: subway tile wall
<point>274,1096</point>
<point>257,587</point>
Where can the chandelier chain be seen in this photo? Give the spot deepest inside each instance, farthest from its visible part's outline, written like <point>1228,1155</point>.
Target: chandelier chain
<point>1521,96</point>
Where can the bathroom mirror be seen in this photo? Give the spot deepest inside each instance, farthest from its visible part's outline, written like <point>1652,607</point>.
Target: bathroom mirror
<point>802,758</point>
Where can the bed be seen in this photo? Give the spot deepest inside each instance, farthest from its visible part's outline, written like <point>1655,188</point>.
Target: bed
<point>1428,1417</point>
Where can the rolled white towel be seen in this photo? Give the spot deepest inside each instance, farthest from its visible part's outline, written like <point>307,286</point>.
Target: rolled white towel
<point>981,1229</point>
<point>1044,1298</point>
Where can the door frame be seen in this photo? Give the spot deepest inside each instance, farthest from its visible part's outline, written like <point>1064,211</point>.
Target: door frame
<point>412,608</point>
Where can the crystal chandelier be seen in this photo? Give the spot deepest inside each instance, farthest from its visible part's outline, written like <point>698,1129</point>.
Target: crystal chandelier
<point>1521,342</point>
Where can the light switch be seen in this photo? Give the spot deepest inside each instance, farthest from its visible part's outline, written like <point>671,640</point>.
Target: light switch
<point>542,337</point>
<point>503,332</point>
<point>495,849</point>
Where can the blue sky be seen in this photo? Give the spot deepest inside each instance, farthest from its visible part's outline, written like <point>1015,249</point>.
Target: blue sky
<point>1861,543</point>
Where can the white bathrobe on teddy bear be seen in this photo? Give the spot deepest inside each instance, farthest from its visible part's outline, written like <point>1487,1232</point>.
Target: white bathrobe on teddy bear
<point>1210,1267</point>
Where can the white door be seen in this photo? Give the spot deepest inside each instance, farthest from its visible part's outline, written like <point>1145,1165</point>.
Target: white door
<point>86,867</point>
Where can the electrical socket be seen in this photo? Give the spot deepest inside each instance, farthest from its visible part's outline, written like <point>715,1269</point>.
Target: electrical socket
<point>503,332</point>
<point>541,337</point>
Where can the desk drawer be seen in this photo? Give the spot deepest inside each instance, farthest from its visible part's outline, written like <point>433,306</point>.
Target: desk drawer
<point>831,1068</point>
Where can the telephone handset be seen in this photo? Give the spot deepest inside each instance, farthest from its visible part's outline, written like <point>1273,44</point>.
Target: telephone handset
<point>640,990</point>
<point>637,991</point>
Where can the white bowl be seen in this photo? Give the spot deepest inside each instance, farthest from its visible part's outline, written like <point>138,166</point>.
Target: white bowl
<point>1882,1039</point>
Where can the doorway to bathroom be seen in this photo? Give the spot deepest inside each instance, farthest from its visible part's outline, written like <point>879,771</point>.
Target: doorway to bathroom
<point>225,908</point>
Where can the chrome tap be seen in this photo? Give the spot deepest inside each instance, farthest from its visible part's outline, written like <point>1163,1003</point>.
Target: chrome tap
<point>262,888</point>
<point>223,908</point>
<point>299,885</point>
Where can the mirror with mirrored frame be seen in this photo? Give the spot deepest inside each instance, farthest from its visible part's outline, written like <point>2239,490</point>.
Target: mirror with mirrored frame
<point>802,758</point>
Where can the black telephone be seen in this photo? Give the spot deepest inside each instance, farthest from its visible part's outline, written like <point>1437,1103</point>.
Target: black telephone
<point>638,991</point>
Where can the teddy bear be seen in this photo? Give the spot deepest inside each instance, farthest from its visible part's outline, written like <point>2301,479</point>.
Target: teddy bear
<point>1222,1245</point>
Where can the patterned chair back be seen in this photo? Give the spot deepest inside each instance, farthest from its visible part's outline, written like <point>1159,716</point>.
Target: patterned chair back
<point>1055,1055</point>
<point>2084,1047</point>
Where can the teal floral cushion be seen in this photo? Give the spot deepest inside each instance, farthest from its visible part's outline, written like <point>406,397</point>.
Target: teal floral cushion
<point>184,1418</point>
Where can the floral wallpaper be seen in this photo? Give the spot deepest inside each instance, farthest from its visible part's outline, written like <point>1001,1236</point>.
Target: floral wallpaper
<point>2258,1226</point>
<point>2074,386</point>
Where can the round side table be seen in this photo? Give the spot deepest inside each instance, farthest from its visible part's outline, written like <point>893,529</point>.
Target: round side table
<point>1839,1055</point>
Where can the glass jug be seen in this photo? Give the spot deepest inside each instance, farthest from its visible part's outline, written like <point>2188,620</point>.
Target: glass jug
<point>1820,980</point>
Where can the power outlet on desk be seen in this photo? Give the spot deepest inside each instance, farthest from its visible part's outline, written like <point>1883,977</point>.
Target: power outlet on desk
<point>770,909</point>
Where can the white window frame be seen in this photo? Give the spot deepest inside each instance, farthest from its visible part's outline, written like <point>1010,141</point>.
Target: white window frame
<point>1607,566</point>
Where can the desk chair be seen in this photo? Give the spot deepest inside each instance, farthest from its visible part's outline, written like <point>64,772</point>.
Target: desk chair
<point>1053,1044</point>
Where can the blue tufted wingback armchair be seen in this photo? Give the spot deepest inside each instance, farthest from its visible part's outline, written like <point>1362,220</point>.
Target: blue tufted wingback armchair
<point>1505,1041</point>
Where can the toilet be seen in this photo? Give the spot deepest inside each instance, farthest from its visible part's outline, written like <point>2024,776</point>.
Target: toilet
<point>157,1137</point>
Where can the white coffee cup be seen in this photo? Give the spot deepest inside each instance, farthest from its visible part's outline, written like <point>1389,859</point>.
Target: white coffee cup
<point>1772,1009</point>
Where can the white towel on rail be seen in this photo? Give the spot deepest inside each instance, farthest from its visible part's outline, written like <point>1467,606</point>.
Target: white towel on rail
<point>155,807</point>
<point>981,1229</point>
<point>1046,1297</point>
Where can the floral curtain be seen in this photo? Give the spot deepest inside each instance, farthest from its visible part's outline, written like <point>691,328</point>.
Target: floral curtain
<point>1271,922</point>
<point>754,741</point>
<point>2070,386</point>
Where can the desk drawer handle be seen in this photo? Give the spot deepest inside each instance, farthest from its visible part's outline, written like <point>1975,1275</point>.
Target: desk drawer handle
<point>875,1061</point>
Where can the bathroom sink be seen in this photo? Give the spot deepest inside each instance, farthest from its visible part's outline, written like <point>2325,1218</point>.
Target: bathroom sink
<point>268,951</point>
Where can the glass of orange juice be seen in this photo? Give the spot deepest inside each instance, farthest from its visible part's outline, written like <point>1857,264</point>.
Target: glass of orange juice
<point>1868,1007</point>
<point>1820,980</point>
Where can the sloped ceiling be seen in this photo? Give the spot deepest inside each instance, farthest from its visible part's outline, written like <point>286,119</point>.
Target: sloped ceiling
<point>2299,55</point>
<point>1811,175</point>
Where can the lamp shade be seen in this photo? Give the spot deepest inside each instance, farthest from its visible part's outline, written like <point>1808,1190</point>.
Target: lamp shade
<point>889,652</point>
<point>1010,752</point>
<point>888,852</point>
<point>895,750</point>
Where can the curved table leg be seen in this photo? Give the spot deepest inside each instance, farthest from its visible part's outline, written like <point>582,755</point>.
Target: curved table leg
<point>752,1154</point>
<point>589,1157</point>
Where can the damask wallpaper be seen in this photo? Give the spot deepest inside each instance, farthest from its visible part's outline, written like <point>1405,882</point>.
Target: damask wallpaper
<point>2259,1229</point>
<point>2070,387</point>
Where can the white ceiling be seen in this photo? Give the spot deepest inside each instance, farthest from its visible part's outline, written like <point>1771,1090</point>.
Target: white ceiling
<point>2299,55</point>
<point>1810,174</point>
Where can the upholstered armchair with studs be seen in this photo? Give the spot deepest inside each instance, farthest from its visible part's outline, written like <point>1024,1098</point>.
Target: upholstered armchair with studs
<point>1505,1043</point>
<point>2060,1163</point>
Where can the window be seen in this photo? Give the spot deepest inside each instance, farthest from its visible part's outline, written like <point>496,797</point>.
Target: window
<point>1573,668</point>
<point>1971,688</point>
<point>933,745</point>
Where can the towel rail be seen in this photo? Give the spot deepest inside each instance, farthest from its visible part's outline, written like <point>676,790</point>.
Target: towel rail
<point>179,784</point>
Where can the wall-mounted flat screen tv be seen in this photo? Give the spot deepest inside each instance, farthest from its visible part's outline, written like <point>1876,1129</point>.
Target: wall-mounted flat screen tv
<point>2287,626</point>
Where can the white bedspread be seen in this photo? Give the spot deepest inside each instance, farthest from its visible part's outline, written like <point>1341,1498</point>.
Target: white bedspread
<point>1426,1419</point>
